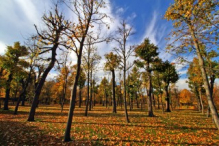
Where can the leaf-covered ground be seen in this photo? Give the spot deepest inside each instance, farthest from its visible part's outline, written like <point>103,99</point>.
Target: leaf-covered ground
<point>101,127</point>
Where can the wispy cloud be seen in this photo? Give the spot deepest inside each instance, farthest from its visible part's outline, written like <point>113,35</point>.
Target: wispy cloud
<point>120,11</point>
<point>151,30</point>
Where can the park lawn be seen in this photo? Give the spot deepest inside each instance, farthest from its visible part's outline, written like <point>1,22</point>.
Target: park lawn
<point>102,127</point>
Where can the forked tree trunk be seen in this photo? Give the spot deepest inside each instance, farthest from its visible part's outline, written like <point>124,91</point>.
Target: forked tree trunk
<point>22,95</point>
<point>205,80</point>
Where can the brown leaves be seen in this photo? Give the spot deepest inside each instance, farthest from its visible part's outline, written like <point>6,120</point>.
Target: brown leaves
<point>101,127</point>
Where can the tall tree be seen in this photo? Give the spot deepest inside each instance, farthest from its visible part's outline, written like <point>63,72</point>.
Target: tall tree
<point>124,32</point>
<point>88,14</point>
<point>12,64</point>
<point>63,77</point>
<point>196,23</point>
<point>134,85</point>
<point>195,82</point>
<point>169,75</point>
<point>112,62</point>
<point>50,39</point>
<point>185,96</point>
<point>157,82</point>
<point>90,60</point>
<point>104,91</point>
<point>32,56</point>
<point>148,53</point>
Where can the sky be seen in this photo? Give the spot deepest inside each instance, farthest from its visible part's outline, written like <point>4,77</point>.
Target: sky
<point>145,16</point>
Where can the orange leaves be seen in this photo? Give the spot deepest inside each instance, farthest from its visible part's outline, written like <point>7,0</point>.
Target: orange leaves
<point>101,127</point>
<point>185,96</point>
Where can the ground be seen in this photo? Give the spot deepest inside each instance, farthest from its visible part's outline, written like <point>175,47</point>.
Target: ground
<point>102,127</point>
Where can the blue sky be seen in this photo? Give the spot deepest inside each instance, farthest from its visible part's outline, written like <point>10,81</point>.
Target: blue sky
<point>145,16</point>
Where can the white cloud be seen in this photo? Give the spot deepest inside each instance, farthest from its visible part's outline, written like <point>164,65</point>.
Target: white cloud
<point>52,75</point>
<point>131,17</point>
<point>29,10</point>
<point>2,48</point>
<point>181,84</point>
<point>119,11</point>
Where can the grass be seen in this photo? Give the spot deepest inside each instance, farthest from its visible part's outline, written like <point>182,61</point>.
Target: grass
<point>102,127</point>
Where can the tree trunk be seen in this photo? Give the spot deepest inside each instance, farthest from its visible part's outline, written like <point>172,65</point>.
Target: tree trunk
<point>80,99</point>
<point>114,92</point>
<point>15,94</point>
<point>154,103</point>
<point>136,98</point>
<point>201,102</point>
<point>23,100</point>
<point>7,91</point>
<point>88,92</point>
<point>74,93</point>
<point>94,103</point>
<point>205,80</point>
<point>72,101</point>
<point>124,94</point>
<point>64,91</point>
<point>91,91</point>
<point>40,85</point>
<point>150,107</point>
<point>19,99</point>
<point>105,97</point>
<point>167,100</point>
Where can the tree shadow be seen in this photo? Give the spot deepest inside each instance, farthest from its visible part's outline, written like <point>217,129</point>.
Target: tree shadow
<point>18,133</point>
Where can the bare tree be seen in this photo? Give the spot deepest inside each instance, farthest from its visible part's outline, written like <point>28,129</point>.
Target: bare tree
<point>124,52</point>
<point>88,14</point>
<point>90,59</point>
<point>50,39</point>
